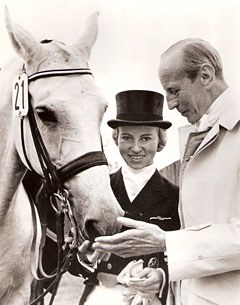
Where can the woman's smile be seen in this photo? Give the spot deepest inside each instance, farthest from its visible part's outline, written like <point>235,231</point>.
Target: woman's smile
<point>136,157</point>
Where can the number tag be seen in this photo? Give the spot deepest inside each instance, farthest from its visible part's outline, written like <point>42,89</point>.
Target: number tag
<point>20,95</point>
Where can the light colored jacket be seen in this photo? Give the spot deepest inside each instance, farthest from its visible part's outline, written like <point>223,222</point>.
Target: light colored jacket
<point>206,254</point>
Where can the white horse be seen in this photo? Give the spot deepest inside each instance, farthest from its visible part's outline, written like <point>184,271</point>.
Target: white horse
<point>68,110</point>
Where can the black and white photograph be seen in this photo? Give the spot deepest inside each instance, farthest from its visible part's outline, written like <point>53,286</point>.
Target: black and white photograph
<point>119,152</point>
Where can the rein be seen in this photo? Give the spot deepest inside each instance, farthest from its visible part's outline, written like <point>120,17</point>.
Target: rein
<point>56,194</point>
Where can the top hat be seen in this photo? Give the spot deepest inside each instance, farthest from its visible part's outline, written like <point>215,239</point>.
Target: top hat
<point>139,108</point>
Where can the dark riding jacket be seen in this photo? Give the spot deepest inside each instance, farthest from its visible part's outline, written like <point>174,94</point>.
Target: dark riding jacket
<point>157,203</point>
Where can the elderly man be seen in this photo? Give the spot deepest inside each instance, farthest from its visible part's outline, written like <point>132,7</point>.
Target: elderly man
<point>205,254</point>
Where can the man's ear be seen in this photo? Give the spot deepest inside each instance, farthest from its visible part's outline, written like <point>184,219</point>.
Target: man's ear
<point>207,75</point>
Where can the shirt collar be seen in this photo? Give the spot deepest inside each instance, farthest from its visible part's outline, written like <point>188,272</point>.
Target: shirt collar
<point>135,180</point>
<point>143,171</point>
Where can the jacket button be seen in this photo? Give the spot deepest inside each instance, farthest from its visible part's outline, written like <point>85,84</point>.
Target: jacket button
<point>141,214</point>
<point>153,263</point>
<point>109,266</point>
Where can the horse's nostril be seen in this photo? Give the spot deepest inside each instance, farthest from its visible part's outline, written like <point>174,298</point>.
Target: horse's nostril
<point>91,228</point>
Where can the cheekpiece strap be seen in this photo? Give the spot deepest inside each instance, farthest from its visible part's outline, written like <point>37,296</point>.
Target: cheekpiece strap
<point>58,72</point>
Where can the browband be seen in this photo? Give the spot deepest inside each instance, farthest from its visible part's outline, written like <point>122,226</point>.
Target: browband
<point>58,72</point>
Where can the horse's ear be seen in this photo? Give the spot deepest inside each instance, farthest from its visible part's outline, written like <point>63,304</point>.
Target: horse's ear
<point>86,42</point>
<point>23,41</point>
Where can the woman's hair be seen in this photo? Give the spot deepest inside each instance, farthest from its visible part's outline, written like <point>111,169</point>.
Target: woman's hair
<point>197,52</point>
<point>162,134</point>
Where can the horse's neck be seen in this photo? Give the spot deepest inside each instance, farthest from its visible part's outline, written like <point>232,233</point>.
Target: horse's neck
<point>11,167</point>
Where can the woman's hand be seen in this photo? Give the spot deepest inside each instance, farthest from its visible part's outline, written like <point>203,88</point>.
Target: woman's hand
<point>148,282</point>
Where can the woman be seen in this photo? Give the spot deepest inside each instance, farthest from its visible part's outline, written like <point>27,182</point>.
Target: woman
<point>139,131</point>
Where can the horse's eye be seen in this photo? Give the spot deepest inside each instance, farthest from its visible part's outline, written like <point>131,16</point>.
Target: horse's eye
<point>46,115</point>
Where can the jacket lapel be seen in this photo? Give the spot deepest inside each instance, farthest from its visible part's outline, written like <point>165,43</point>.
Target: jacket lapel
<point>210,137</point>
<point>151,194</point>
<point>119,190</point>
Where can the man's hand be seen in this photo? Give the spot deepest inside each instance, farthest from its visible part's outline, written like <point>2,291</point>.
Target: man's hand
<point>143,238</point>
<point>94,256</point>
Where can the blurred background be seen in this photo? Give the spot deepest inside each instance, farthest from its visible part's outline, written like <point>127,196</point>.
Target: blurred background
<point>132,35</point>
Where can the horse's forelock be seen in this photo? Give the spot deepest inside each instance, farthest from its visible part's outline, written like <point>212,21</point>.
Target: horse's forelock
<point>58,55</point>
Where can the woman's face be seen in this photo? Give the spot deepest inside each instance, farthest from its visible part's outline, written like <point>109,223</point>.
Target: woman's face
<point>138,145</point>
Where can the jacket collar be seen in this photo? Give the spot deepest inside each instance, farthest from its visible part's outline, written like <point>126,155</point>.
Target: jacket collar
<point>231,115</point>
<point>229,118</point>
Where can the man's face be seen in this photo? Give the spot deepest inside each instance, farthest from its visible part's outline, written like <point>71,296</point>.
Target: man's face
<point>189,97</point>
<point>138,145</point>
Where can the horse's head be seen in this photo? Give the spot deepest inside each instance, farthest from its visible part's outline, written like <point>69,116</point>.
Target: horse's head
<point>68,110</point>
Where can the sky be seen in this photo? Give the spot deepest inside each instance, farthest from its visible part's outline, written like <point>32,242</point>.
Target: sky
<point>132,35</point>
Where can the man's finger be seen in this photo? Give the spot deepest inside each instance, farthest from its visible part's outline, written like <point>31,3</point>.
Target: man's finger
<point>113,239</point>
<point>125,252</point>
<point>84,246</point>
<point>103,245</point>
<point>131,223</point>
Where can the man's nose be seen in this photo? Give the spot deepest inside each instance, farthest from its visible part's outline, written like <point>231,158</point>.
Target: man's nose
<point>172,103</point>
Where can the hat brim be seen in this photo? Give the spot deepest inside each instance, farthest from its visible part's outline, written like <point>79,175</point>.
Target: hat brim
<point>117,123</point>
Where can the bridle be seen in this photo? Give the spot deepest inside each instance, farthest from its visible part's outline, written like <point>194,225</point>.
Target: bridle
<point>54,191</point>
<point>55,177</point>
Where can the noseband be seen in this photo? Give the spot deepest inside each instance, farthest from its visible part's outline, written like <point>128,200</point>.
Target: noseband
<point>54,179</point>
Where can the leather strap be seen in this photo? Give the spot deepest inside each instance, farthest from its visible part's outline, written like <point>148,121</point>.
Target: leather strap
<point>78,165</point>
<point>58,72</point>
